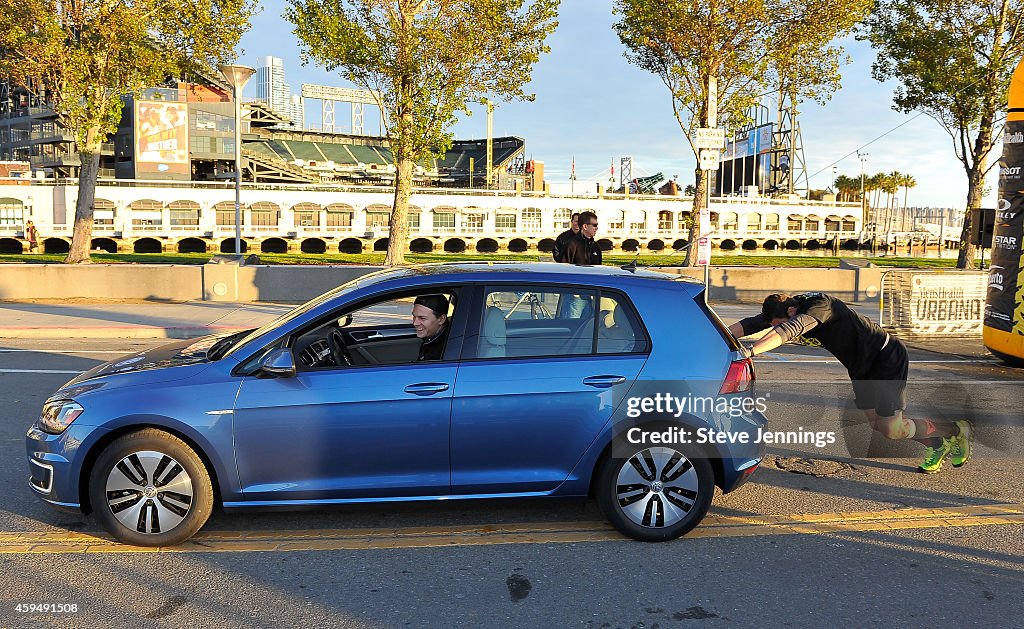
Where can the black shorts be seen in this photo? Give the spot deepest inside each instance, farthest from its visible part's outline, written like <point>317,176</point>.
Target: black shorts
<point>884,386</point>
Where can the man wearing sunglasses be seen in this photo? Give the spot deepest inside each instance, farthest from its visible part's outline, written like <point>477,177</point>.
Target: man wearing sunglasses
<point>582,249</point>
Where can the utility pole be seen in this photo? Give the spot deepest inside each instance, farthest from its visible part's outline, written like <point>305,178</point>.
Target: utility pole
<point>490,143</point>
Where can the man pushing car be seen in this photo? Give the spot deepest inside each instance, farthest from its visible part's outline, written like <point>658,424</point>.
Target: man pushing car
<point>876,362</point>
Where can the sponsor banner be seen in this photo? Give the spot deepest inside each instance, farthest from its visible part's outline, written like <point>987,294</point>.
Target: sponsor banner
<point>930,304</point>
<point>753,141</point>
<point>161,136</point>
<point>1005,300</point>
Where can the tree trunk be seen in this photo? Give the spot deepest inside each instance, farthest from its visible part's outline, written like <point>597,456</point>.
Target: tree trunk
<point>399,213</point>
<point>975,186</point>
<point>700,200</point>
<point>965,258</point>
<point>81,239</point>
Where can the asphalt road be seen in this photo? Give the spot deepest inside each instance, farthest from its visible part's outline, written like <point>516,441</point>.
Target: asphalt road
<point>867,542</point>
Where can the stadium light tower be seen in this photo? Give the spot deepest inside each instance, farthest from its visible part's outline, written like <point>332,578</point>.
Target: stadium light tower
<point>237,76</point>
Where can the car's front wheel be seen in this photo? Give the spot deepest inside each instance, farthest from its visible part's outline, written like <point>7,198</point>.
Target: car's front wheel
<point>149,488</point>
<point>656,493</point>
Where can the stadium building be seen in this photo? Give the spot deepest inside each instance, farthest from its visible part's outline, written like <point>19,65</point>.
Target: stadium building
<point>167,185</point>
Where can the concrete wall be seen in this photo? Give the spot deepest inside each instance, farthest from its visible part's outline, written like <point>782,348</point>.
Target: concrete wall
<point>101,281</point>
<point>748,283</point>
<point>229,282</point>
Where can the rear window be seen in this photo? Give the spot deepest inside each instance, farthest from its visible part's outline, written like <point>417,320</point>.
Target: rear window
<point>723,330</point>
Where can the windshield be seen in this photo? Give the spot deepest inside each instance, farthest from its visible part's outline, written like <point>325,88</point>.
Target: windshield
<point>301,310</point>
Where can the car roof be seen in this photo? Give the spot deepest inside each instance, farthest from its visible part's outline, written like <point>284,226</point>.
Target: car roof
<point>522,271</point>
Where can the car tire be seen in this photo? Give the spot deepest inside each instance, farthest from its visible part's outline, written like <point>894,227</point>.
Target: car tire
<point>658,506</point>
<point>149,488</point>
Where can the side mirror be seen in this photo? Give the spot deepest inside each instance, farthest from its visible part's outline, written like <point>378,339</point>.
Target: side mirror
<point>279,362</point>
<point>345,321</point>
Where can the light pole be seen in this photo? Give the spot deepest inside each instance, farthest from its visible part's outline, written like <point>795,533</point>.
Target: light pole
<point>863,157</point>
<point>237,76</point>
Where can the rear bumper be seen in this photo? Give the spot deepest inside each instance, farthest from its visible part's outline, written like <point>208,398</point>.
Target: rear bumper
<point>740,474</point>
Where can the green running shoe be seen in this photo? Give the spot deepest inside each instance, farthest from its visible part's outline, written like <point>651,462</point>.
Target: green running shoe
<point>960,450</point>
<point>933,457</point>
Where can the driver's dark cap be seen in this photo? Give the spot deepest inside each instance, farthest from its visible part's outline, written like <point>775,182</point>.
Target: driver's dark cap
<point>437,303</point>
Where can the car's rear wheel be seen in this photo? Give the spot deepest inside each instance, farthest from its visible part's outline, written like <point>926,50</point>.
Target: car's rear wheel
<point>656,493</point>
<point>149,488</point>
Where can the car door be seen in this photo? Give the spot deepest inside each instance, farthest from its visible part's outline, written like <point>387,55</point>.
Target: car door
<point>360,431</point>
<point>532,393</point>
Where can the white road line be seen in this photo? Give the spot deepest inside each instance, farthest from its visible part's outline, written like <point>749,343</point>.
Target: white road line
<point>911,382</point>
<point>40,371</point>
<point>832,361</point>
<point>70,351</point>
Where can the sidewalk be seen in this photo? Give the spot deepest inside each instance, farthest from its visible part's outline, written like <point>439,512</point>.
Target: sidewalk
<point>144,319</point>
<point>135,320</point>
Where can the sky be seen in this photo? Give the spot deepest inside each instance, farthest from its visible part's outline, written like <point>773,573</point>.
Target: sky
<point>593,106</point>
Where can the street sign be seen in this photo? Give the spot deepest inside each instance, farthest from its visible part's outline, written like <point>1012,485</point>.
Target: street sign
<point>708,138</point>
<point>703,251</point>
<point>709,159</point>
<point>704,242</point>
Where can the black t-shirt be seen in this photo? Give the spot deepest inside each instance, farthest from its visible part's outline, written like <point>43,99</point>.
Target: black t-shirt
<point>852,338</point>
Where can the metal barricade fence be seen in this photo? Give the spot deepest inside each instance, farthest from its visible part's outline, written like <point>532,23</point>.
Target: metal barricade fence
<point>933,302</point>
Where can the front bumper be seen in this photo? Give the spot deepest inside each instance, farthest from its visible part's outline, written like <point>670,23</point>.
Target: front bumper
<point>55,462</point>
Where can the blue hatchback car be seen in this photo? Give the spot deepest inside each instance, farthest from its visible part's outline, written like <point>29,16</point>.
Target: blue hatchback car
<point>471,380</point>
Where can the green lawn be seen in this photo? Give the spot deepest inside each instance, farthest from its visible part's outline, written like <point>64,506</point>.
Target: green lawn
<point>378,258</point>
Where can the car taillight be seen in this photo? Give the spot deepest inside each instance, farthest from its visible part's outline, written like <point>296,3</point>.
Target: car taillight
<point>740,377</point>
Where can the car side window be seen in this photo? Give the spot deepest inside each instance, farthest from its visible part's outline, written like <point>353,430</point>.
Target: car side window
<point>530,321</point>
<point>618,330</point>
<point>399,329</point>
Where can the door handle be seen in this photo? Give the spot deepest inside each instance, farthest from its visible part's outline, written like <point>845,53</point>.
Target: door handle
<point>427,388</point>
<point>603,382</point>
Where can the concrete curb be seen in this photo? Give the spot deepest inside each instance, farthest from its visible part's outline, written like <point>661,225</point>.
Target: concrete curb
<point>114,332</point>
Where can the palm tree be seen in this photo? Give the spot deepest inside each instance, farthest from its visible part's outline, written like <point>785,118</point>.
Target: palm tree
<point>847,187</point>
<point>890,184</point>
<point>874,184</point>
<point>907,183</point>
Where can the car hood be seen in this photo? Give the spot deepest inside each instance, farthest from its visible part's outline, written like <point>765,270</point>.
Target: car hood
<point>153,365</point>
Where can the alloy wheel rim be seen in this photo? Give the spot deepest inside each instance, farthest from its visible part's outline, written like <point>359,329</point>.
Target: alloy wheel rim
<point>657,487</point>
<point>149,492</point>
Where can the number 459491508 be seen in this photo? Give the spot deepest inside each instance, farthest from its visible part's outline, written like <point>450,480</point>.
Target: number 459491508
<point>46,608</point>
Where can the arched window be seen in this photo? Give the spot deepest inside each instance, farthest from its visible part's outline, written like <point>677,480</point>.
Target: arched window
<point>339,215</point>
<point>183,214</point>
<point>264,214</point>
<point>306,214</point>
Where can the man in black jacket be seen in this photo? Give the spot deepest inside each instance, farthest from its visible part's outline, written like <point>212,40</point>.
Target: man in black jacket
<point>876,362</point>
<point>582,249</point>
<point>558,251</point>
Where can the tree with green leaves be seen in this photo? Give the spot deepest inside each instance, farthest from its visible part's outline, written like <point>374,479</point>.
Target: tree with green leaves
<point>86,57</point>
<point>954,59</point>
<point>425,61</point>
<point>749,46</point>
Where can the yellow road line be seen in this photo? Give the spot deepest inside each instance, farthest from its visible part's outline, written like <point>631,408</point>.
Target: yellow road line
<point>531,533</point>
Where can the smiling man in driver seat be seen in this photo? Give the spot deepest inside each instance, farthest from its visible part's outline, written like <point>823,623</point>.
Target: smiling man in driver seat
<point>430,318</point>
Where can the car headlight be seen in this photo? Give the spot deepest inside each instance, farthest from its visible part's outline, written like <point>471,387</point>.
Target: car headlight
<point>58,415</point>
